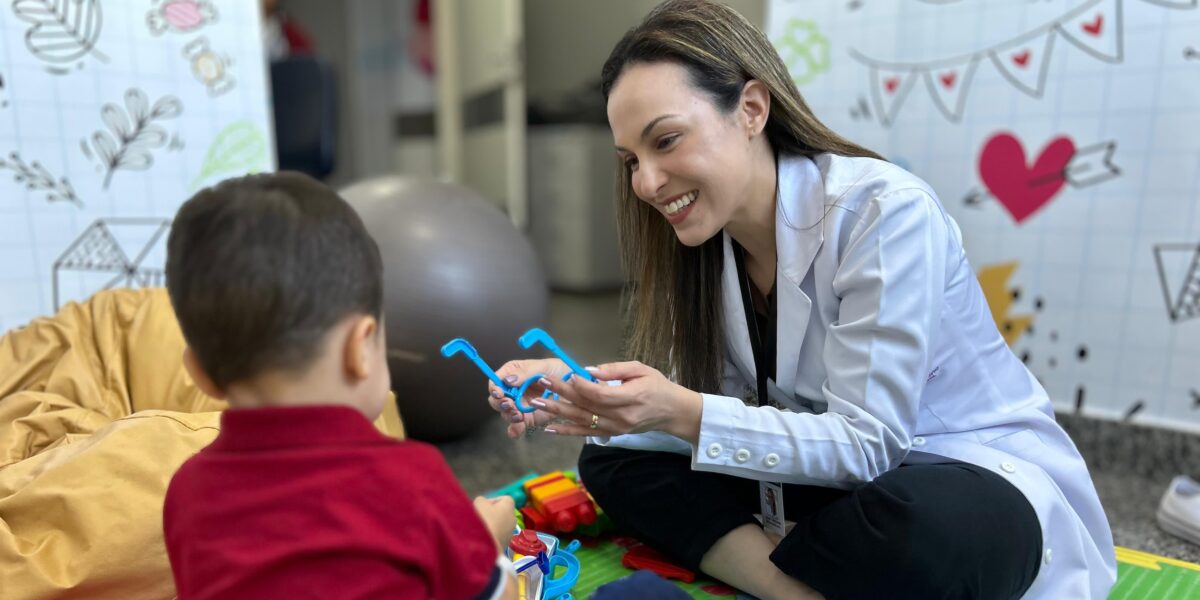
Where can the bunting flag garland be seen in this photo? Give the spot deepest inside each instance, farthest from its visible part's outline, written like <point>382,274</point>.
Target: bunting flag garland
<point>1096,30</point>
<point>888,89</point>
<point>949,87</point>
<point>1024,62</point>
<point>1095,27</point>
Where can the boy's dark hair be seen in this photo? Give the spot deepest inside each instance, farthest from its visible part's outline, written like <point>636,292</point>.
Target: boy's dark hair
<point>259,268</point>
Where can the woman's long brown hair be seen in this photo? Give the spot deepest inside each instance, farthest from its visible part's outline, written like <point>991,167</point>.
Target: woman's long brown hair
<point>672,301</point>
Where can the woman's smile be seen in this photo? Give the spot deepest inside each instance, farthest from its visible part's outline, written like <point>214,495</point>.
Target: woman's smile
<point>677,210</point>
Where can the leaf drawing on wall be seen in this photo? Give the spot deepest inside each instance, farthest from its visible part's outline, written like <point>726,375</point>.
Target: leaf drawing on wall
<point>63,30</point>
<point>37,178</point>
<point>240,148</point>
<point>132,132</point>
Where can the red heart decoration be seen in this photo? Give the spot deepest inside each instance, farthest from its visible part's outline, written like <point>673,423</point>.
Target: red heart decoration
<point>1020,188</point>
<point>1094,27</point>
<point>948,79</point>
<point>1021,58</point>
<point>891,83</point>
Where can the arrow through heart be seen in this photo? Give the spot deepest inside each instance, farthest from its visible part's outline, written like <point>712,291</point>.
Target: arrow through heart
<point>1020,187</point>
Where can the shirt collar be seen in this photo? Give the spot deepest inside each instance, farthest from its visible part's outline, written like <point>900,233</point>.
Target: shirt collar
<point>294,427</point>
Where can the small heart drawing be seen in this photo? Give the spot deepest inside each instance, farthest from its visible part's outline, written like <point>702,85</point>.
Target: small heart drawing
<point>1023,189</point>
<point>891,83</point>
<point>1021,58</point>
<point>1094,27</point>
<point>948,79</point>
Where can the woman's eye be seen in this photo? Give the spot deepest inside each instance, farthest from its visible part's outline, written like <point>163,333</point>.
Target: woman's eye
<point>664,143</point>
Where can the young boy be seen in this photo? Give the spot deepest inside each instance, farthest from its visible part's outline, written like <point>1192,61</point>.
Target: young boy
<point>278,289</point>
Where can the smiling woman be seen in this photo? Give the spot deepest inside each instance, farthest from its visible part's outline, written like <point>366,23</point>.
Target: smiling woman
<point>809,342</point>
<point>714,128</point>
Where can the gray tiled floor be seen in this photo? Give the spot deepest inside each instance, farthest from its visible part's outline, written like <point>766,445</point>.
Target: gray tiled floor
<point>1130,502</point>
<point>588,327</point>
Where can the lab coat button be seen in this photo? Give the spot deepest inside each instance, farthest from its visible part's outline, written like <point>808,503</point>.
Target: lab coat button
<point>714,450</point>
<point>1049,555</point>
<point>742,455</point>
<point>1008,467</point>
<point>771,460</point>
<point>918,441</point>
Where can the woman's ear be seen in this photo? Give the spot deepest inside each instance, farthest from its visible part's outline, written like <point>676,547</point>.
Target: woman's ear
<point>361,345</point>
<point>755,106</point>
<point>191,364</point>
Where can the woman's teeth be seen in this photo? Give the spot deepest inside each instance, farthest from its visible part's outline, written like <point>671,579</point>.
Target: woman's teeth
<point>679,204</point>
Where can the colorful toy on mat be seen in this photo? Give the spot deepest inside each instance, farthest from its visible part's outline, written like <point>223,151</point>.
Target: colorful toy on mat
<point>515,490</point>
<point>538,520</point>
<point>602,525</point>
<point>555,503</point>
<point>527,543</point>
<point>529,549</point>
<point>645,557</point>
<point>559,587</point>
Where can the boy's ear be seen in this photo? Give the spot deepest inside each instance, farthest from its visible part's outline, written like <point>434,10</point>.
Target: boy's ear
<point>361,345</point>
<point>191,363</point>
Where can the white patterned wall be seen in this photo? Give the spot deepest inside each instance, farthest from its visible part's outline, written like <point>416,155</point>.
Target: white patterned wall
<point>1064,137</point>
<point>112,113</point>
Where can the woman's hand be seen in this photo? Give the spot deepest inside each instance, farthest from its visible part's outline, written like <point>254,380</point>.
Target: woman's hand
<point>645,401</point>
<point>514,373</point>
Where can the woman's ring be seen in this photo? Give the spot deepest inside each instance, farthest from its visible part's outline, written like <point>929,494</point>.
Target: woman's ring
<point>595,420</point>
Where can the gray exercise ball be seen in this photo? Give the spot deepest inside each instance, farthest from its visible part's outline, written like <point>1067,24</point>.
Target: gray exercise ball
<point>454,266</point>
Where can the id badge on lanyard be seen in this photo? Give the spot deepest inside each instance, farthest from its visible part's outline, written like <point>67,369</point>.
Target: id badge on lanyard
<point>770,498</point>
<point>770,493</point>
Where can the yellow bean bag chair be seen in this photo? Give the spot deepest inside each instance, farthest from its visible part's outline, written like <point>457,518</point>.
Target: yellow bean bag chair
<point>96,414</point>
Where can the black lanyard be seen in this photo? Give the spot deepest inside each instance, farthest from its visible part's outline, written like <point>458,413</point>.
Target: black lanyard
<point>762,349</point>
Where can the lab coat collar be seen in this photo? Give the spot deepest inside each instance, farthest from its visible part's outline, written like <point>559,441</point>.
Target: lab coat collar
<point>798,236</point>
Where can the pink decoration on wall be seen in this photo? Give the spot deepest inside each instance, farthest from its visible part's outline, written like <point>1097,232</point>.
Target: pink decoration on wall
<point>1020,187</point>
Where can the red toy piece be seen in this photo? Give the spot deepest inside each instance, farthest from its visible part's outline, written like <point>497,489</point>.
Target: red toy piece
<point>645,557</point>
<point>602,525</point>
<point>527,543</point>
<point>534,520</point>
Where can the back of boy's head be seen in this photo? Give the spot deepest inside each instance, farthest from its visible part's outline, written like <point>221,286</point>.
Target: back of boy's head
<point>260,268</point>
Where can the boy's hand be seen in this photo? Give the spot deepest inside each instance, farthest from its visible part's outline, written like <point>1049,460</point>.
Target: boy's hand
<point>500,517</point>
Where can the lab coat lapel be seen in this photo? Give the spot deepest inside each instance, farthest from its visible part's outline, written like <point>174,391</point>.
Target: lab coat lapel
<point>798,237</point>
<point>736,333</point>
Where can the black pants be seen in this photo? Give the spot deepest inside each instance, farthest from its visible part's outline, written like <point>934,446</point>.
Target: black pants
<point>952,530</point>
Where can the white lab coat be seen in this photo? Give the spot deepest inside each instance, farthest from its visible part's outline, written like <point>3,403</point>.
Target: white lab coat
<point>887,353</point>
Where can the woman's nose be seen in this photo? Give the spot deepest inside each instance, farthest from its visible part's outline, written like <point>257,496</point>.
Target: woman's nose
<point>647,180</point>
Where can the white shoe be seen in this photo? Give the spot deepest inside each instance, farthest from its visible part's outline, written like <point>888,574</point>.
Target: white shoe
<point>1179,510</point>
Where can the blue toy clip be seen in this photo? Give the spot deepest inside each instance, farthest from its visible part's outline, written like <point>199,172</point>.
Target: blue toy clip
<point>526,341</point>
<point>556,587</point>
<point>539,336</point>
<point>459,345</point>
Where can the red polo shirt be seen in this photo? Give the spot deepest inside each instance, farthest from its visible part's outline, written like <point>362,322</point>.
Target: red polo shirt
<point>314,502</point>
